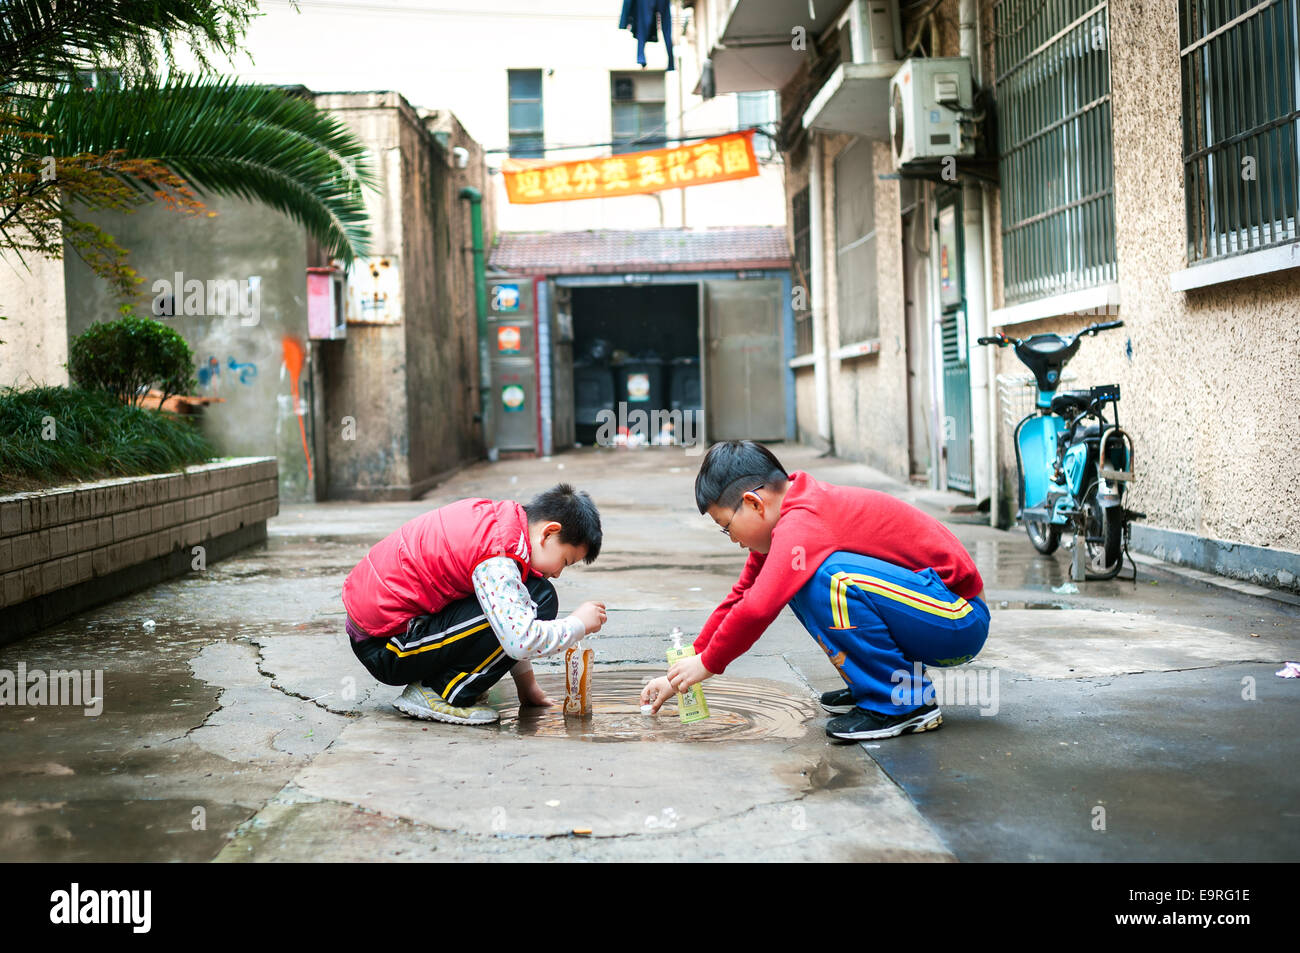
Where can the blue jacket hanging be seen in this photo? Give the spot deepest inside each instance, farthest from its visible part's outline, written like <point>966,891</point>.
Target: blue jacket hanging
<point>643,18</point>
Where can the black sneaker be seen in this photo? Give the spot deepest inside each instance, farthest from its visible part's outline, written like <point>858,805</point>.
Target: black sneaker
<point>838,702</point>
<point>861,725</point>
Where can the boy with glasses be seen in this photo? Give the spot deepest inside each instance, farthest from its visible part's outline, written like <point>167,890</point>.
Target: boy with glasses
<point>879,584</point>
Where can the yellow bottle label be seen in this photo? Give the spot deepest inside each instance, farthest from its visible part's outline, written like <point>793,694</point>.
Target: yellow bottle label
<point>691,705</point>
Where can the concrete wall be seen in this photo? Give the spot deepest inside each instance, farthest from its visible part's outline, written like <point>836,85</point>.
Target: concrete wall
<point>805,408</point>
<point>35,335</point>
<point>1210,384</point>
<point>245,359</point>
<point>66,549</point>
<point>869,400</point>
<point>410,387</point>
<point>869,392</point>
<point>441,326</point>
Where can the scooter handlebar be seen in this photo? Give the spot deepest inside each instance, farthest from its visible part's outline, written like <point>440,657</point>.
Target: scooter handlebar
<point>1105,326</point>
<point>1000,340</point>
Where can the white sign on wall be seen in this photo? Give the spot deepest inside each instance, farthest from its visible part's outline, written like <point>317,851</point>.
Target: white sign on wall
<point>374,291</point>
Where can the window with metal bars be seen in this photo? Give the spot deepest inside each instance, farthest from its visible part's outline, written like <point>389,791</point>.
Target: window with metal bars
<point>637,111</point>
<point>855,244</point>
<point>1054,144</point>
<point>1241,126</point>
<point>758,110</point>
<point>527,140</point>
<point>801,224</point>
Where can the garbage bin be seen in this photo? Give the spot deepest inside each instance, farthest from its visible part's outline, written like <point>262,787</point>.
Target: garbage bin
<point>641,384</point>
<point>593,391</point>
<point>684,385</point>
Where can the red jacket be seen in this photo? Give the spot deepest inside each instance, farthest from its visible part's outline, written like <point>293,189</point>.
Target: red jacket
<point>428,562</point>
<point>818,519</point>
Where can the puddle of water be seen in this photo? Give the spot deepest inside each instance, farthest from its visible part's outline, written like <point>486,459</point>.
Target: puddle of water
<point>740,710</point>
<point>1015,564</point>
<point>98,830</point>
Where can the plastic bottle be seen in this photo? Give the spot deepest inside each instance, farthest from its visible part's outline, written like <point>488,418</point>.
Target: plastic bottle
<point>577,680</point>
<point>691,705</point>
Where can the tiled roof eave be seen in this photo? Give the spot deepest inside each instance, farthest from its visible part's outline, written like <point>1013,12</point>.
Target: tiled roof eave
<point>657,250</point>
<point>557,269</point>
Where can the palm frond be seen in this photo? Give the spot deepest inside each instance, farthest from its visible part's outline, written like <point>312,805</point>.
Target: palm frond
<point>43,41</point>
<point>253,142</point>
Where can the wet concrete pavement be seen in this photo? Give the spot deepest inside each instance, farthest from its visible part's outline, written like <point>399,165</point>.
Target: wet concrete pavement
<point>1115,723</point>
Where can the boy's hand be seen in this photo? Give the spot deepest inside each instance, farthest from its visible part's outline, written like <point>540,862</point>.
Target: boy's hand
<point>592,615</point>
<point>687,672</point>
<point>656,693</point>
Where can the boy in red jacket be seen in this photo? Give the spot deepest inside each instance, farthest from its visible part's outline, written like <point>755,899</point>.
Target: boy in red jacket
<point>879,584</point>
<point>454,599</point>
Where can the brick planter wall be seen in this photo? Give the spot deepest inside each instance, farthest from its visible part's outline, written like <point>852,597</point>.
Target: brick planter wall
<point>66,549</point>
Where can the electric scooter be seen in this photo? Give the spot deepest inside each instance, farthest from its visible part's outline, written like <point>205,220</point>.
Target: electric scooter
<point>1074,464</point>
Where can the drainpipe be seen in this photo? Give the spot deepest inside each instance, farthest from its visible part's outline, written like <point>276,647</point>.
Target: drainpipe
<point>990,359</point>
<point>475,199</point>
<point>817,294</point>
<point>990,354</point>
<point>972,204</point>
<point>938,398</point>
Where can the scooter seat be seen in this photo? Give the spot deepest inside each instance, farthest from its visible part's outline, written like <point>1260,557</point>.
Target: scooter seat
<point>1069,402</point>
<point>1083,430</point>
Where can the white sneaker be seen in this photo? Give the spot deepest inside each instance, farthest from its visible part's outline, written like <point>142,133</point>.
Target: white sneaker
<point>420,702</point>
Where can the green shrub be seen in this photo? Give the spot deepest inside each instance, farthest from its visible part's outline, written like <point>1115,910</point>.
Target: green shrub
<point>125,358</point>
<point>53,435</point>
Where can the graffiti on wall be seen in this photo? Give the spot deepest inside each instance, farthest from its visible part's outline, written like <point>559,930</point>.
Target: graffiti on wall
<point>294,358</point>
<point>210,372</point>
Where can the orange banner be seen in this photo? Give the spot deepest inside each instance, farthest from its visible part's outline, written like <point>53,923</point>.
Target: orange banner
<point>720,159</point>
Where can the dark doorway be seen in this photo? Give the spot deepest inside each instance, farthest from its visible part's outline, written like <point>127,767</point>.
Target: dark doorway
<point>638,345</point>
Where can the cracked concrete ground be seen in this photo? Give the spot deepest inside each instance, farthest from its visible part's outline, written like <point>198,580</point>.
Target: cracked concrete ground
<point>239,726</point>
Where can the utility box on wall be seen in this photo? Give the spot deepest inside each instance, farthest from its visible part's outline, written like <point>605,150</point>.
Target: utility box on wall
<point>325,315</point>
<point>512,345</point>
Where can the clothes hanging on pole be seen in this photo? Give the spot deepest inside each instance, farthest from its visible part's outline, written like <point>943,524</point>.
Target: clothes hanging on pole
<point>644,18</point>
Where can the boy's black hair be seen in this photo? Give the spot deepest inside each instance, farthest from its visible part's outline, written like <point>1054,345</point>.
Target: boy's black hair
<point>576,513</point>
<point>733,468</point>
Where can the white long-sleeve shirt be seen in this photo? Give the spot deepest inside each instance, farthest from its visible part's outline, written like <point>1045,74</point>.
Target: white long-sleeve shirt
<point>511,612</point>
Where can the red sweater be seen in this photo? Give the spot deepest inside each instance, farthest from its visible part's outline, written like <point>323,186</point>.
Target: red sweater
<point>818,519</point>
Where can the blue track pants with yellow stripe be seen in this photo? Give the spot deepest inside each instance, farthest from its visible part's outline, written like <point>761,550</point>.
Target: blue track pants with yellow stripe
<point>875,620</point>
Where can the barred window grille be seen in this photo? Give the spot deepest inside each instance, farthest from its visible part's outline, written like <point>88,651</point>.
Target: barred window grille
<point>801,221</point>
<point>637,111</point>
<point>758,110</point>
<point>1054,142</point>
<point>855,238</point>
<point>1241,127</point>
<point>527,140</point>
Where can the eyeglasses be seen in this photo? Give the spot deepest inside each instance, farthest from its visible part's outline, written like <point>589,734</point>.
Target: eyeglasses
<point>726,530</point>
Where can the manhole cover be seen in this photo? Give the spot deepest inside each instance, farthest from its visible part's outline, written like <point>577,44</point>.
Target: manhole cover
<point>740,710</point>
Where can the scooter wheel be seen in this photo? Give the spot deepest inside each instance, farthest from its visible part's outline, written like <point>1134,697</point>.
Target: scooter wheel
<point>1045,537</point>
<point>1106,524</point>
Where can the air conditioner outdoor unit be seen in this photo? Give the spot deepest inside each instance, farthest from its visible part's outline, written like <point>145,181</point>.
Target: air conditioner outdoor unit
<point>869,32</point>
<point>928,100</point>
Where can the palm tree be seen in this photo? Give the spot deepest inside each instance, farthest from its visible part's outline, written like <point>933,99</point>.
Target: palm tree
<point>66,149</point>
